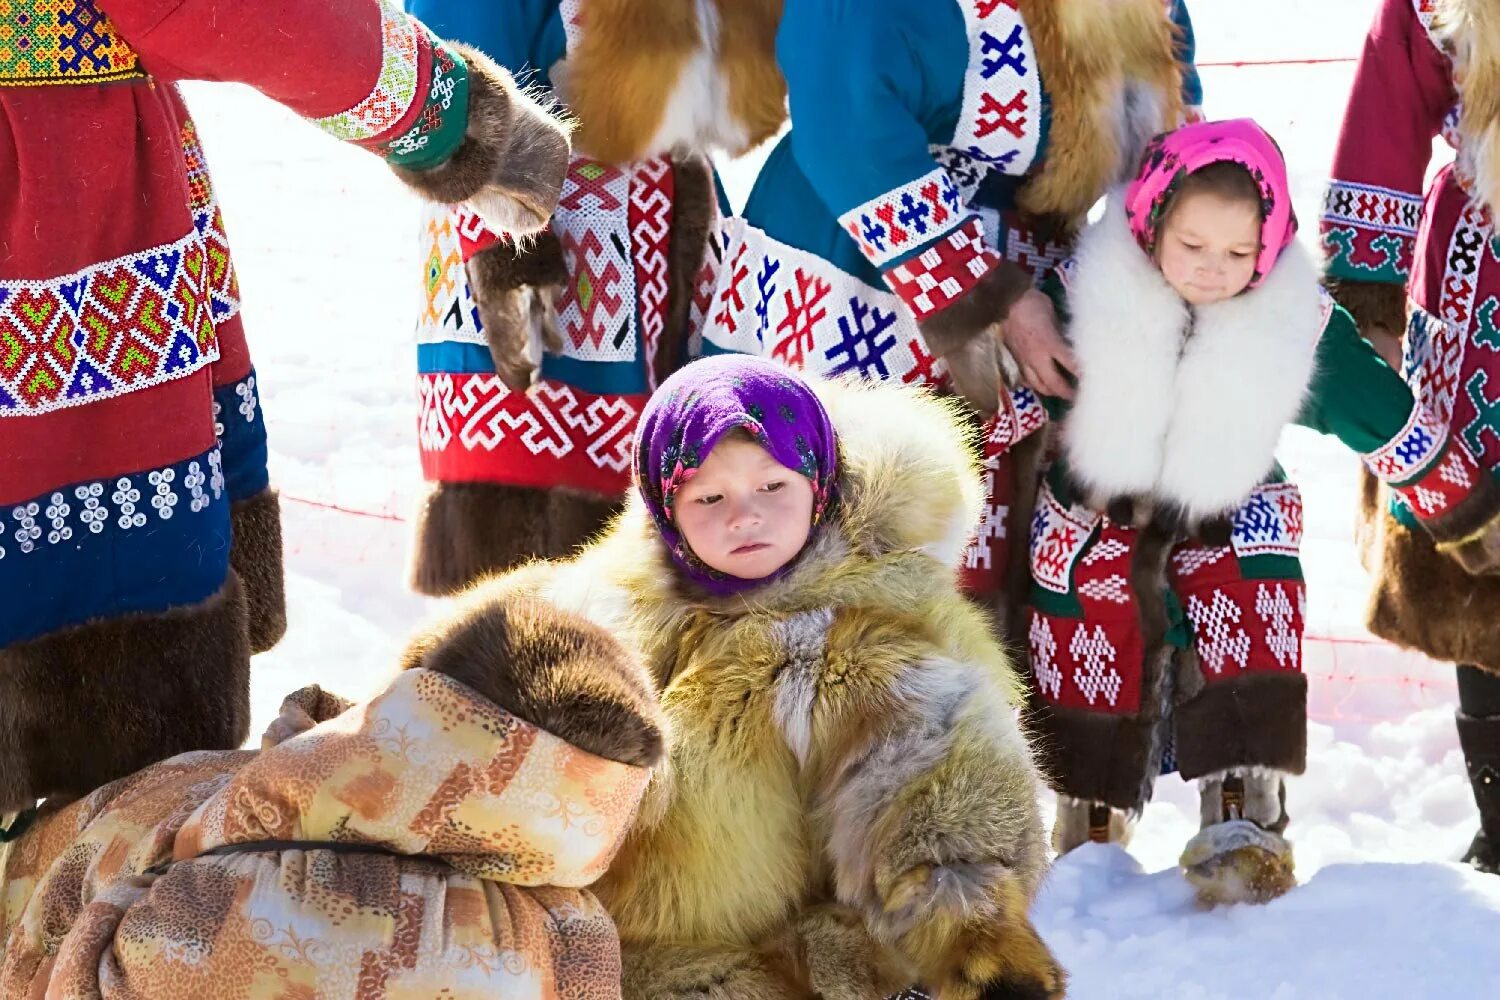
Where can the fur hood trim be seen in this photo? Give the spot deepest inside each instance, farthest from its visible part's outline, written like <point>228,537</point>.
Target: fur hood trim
<point>1469,30</point>
<point>909,486</point>
<point>1183,405</point>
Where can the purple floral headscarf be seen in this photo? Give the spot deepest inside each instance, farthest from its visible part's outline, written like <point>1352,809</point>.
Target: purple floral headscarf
<point>700,404</point>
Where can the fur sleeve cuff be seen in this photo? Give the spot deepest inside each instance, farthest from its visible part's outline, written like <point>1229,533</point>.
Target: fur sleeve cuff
<point>1372,304</point>
<point>510,163</point>
<point>506,265</point>
<point>961,333</point>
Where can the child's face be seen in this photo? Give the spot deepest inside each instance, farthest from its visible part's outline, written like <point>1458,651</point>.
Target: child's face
<point>744,513</point>
<point>1208,247</point>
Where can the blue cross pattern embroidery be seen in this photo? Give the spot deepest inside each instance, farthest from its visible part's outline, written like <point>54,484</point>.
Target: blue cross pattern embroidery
<point>765,284</point>
<point>914,213</point>
<point>864,341</point>
<point>1007,54</point>
<point>1003,160</point>
<point>1258,522</point>
<point>873,232</point>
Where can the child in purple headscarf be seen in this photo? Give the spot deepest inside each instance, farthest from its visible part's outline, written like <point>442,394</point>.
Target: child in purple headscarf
<point>850,806</point>
<point>1166,611</point>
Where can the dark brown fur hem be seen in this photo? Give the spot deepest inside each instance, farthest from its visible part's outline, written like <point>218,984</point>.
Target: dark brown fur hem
<point>694,211</point>
<point>511,145</point>
<point>1425,601</point>
<point>963,335</point>
<point>1372,304</point>
<point>256,555</point>
<point>84,706</point>
<point>467,531</point>
<point>551,668</point>
<point>1093,756</point>
<point>1255,720</point>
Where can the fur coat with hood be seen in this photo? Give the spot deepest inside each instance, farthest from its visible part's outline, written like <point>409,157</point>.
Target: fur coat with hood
<point>1406,257</point>
<point>433,841</point>
<point>535,356</point>
<point>849,804</point>
<point>1166,602</point>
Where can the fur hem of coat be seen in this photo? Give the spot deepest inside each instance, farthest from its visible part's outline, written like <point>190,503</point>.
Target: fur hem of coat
<point>467,531</point>
<point>1423,600</point>
<point>256,555</point>
<point>1258,720</point>
<point>86,705</point>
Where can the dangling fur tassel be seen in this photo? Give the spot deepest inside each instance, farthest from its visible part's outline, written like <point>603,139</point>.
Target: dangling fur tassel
<point>1470,30</point>
<point>651,76</point>
<point>1095,56</point>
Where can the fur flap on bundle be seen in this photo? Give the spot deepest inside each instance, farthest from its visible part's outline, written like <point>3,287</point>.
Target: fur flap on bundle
<point>1114,81</point>
<point>1183,405</point>
<point>652,76</point>
<point>1470,31</point>
<point>848,805</point>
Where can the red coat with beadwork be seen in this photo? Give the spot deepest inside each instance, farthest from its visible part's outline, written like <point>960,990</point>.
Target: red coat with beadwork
<point>1408,255</point>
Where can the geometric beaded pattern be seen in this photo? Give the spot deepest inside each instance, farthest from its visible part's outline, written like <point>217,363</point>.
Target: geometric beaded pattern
<point>900,221</point>
<point>395,88</point>
<point>1269,522</point>
<point>1371,207</point>
<point>597,307</point>
<point>473,427</point>
<point>774,300</point>
<point>107,330</point>
<point>72,514</point>
<point>1445,484</point>
<point>208,219</point>
<point>61,42</point>
<point>1058,537</point>
<point>944,272</point>
<point>1412,450</point>
<point>448,310</point>
<point>1000,124</point>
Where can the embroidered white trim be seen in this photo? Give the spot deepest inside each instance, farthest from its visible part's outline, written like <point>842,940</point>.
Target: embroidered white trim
<point>1412,450</point>
<point>74,302</point>
<point>774,300</point>
<point>1371,207</point>
<point>1001,121</point>
<point>900,222</point>
<point>395,88</point>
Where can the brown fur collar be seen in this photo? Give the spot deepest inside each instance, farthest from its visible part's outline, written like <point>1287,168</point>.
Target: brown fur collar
<point>651,76</point>
<point>1470,31</point>
<point>1106,64</point>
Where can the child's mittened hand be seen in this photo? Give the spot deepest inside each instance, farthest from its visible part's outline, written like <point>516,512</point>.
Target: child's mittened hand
<point>1031,335</point>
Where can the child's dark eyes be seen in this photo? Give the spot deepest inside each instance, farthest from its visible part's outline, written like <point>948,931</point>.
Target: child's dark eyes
<point>709,500</point>
<point>775,487</point>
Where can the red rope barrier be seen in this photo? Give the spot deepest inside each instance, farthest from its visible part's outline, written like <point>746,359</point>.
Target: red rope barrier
<point>1241,63</point>
<point>319,505</point>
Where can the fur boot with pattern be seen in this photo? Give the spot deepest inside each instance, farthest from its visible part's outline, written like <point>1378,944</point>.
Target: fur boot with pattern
<point>849,805</point>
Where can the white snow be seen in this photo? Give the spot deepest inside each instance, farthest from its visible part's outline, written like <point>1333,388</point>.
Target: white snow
<point>327,252</point>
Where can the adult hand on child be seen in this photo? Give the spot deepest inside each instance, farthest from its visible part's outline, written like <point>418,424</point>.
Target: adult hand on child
<point>1031,335</point>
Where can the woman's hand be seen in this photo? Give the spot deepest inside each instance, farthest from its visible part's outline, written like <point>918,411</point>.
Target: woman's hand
<point>1030,334</point>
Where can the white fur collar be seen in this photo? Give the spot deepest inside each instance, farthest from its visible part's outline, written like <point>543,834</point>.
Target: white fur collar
<point>1183,405</point>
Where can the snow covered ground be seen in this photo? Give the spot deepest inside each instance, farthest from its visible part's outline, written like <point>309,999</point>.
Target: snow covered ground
<point>326,245</point>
